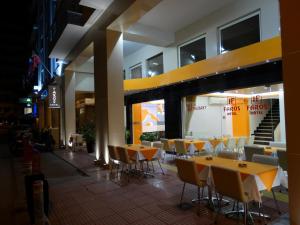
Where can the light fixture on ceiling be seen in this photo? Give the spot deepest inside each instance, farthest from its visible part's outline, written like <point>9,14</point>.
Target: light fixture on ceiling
<point>193,57</point>
<point>155,63</point>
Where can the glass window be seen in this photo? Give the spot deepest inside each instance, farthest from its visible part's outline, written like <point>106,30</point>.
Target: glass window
<point>155,65</point>
<point>136,71</point>
<point>192,52</point>
<point>256,113</point>
<point>148,120</point>
<point>239,34</point>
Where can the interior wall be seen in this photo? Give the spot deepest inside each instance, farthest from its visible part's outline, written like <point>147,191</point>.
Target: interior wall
<point>208,120</point>
<point>270,27</point>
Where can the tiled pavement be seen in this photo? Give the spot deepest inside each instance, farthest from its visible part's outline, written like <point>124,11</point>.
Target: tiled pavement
<point>98,199</point>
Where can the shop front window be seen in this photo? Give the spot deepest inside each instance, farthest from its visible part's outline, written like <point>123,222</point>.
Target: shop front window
<point>256,112</point>
<point>148,120</point>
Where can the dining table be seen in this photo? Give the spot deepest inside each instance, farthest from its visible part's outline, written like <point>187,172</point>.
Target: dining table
<point>256,177</point>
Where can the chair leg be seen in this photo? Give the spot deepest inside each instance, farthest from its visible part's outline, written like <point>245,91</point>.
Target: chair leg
<point>160,167</point>
<point>152,166</point>
<point>219,208</point>
<point>180,204</point>
<point>275,201</point>
<point>261,212</point>
<point>245,213</point>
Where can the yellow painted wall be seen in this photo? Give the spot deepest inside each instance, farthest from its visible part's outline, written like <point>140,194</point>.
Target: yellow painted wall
<point>240,121</point>
<point>137,123</point>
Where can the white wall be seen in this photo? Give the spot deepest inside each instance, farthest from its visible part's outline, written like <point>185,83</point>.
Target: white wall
<point>84,82</point>
<point>209,122</point>
<point>140,56</point>
<point>269,24</point>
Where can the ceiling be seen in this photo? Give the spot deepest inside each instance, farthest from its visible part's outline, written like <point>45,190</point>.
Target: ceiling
<point>15,47</point>
<point>130,47</point>
<point>173,15</point>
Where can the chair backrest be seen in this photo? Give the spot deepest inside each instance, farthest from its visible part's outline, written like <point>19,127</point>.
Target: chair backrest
<point>228,155</point>
<point>113,152</point>
<point>231,144</point>
<point>123,154</point>
<point>187,171</point>
<point>158,145</point>
<point>79,139</point>
<point>250,150</point>
<point>189,137</point>
<point>180,147</point>
<point>228,182</point>
<point>282,159</point>
<point>146,143</point>
<point>165,143</point>
<point>265,159</point>
<point>250,140</point>
<point>277,144</point>
<point>241,142</point>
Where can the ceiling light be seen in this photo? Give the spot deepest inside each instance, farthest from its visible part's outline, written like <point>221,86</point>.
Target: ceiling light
<point>193,57</point>
<point>155,63</point>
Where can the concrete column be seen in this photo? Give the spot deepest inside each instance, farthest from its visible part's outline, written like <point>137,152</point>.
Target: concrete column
<point>70,116</point>
<point>109,94</point>
<point>290,28</point>
<point>282,117</point>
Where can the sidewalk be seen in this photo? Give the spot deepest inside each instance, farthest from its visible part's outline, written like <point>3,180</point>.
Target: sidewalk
<point>101,200</point>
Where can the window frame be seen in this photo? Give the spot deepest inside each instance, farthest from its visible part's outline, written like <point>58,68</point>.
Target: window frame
<point>236,21</point>
<point>189,42</point>
<point>136,66</point>
<point>152,57</point>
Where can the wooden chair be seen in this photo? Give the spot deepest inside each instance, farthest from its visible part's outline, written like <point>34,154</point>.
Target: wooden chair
<point>229,183</point>
<point>268,160</point>
<point>228,155</point>
<point>125,160</point>
<point>250,150</point>
<point>180,147</point>
<point>187,172</point>
<point>146,143</point>
<point>158,157</point>
<point>113,158</point>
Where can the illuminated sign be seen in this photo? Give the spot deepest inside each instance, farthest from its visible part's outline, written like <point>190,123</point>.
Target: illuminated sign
<point>25,100</point>
<point>54,96</point>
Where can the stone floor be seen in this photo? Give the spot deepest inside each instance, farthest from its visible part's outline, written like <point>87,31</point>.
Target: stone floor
<point>83,194</point>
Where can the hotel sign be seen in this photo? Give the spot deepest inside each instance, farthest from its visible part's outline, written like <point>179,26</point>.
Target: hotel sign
<point>54,96</point>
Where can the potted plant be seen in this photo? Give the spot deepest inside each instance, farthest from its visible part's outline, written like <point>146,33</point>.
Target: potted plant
<point>127,136</point>
<point>88,133</point>
<point>149,136</point>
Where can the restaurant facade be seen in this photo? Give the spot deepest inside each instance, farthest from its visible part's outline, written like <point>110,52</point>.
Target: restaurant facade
<point>216,76</point>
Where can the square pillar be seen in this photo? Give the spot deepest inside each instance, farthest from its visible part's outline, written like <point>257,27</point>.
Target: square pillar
<point>290,18</point>
<point>109,92</point>
<point>69,105</point>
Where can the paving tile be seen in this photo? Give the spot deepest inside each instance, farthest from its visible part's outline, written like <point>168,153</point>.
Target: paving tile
<point>111,220</point>
<point>98,200</point>
<point>149,221</point>
<point>134,215</point>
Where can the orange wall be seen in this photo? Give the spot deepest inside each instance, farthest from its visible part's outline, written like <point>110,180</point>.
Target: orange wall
<point>240,121</point>
<point>137,123</point>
